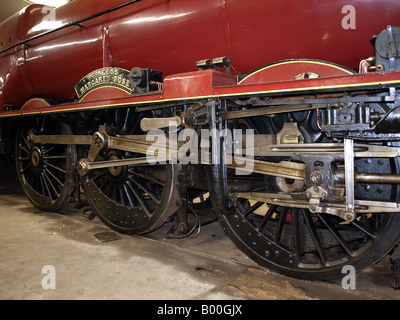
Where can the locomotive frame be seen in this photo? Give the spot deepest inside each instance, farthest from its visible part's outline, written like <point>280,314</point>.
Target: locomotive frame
<point>323,189</point>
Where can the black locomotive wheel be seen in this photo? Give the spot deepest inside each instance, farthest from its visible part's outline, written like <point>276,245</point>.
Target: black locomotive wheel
<point>45,170</point>
<point>309,246</point>
<point>132,199</point>
<point>298,243</point>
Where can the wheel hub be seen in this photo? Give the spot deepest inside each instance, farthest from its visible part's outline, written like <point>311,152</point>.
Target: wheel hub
<point>36,158</point>
<point>116,174</point>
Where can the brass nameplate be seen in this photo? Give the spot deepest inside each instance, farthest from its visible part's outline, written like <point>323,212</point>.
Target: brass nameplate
<point>114,77</point>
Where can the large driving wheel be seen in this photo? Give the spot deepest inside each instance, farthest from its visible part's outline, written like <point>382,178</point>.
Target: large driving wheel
<point>130,199</point>
<point>301,244</point>
<point>45,170</point>
<point>294,241</point>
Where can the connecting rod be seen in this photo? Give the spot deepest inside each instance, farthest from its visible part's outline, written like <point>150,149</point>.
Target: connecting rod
<point>101,140</point>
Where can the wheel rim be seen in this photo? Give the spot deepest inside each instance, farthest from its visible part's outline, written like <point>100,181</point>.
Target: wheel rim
<point>44,170</point>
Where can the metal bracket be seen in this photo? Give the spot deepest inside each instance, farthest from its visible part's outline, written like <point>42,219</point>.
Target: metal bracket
<point>349,178</point>
<point>392,45</point>
<point>98,144</point>
<point>180,228</point>
<point>392,95</point>
<point>315,194</point>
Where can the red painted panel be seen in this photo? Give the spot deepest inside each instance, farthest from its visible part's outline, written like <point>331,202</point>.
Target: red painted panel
<point>172,35</point>
<point>178,89</point>
<point>196,84</point>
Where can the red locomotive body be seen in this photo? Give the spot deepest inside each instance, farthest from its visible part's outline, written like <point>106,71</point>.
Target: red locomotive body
<point>172,35</point>
<point>300,100</point>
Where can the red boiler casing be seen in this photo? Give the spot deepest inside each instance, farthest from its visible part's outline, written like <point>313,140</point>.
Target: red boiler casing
<point>171,35</point>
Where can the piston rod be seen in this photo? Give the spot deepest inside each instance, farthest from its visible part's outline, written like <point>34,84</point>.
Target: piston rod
<point>377,178</point>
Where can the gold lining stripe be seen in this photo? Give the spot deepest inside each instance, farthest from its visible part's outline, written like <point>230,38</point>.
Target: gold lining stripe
<point>295,61</point>
<point>312,88</point>
<point>35,99</point>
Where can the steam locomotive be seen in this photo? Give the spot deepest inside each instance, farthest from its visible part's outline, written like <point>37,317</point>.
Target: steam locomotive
<point>280,119</point>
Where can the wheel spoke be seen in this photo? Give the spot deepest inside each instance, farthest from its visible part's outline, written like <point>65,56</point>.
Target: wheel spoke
<point>55,167</point>
<point>55,157</point>
<point>51,183</point>
<point>23,148</point>
<point>24,141</point>
<point>139,197</point>
<point>121,195</point>
<point>336,235</point>
<point>145,189</point>
<point>297,243</point>
<point>42,187</point>
<point>267,217</point>
<point>281,223</point>
<point>311,228</point>
<point>54,177</point>
<point>23,169</point>
<point>253,208</point>
<point>148,177</point>
<point>364,229</point>
<point>46,185</point>
<point>52,148</point>
<point>31,179</point>
<point>129,196</point>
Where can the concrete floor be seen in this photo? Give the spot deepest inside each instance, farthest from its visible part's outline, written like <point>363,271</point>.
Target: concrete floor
<point>151,267</point>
